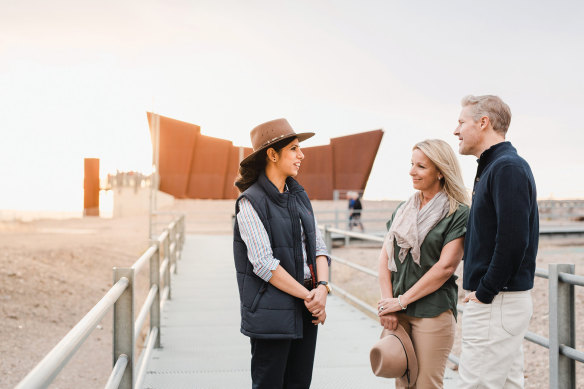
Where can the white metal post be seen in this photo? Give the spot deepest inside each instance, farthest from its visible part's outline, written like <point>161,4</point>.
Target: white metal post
<point>155,280</point>
<point>154,180</point>
<point>124,326</point>
<point>167,278</point>
<point>562,327</point>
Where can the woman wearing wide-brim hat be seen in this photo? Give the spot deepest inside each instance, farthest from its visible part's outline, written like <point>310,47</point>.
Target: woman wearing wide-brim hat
<point>421,251</point>
<point>281,260</point>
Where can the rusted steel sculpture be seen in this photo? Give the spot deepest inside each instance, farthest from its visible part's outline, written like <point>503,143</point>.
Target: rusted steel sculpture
<point>193,165</point>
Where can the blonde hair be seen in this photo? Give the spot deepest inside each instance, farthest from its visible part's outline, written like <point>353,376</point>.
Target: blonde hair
<point>492,107</point>
<point>442,155</point>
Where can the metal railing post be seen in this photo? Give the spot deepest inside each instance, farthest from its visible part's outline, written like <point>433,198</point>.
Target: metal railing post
<point>155,280</point>
<point>328,241</point>
<point>167,278</point>
<point>123,333</point>
<point>175,241</point>
<point>562,327</point>
<point>182,231</point>
<point>336,218</point>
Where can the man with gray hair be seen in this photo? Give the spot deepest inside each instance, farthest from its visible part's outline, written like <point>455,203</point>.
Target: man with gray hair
<point>500,249</point>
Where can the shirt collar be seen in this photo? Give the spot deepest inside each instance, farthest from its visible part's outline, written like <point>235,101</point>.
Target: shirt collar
<point>494,152</point>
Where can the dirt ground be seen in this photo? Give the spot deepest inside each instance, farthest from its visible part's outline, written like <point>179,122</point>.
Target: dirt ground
<point>52,272</point>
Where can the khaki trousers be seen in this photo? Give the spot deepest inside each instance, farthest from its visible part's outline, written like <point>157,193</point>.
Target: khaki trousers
<point>432,338</point>
<point>492,342</point>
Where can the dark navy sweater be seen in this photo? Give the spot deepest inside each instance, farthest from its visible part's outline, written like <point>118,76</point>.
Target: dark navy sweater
<point>503,227</point>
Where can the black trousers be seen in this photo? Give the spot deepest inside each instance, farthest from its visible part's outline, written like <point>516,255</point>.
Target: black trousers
<point>284,363</point>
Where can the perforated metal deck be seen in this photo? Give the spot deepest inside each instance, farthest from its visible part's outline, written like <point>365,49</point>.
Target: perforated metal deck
<point>202,347</point>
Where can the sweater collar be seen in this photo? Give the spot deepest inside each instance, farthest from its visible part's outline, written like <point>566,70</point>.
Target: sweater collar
<point>494,152</point>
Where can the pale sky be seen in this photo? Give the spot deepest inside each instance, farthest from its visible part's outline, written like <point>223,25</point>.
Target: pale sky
<point>76,78</point>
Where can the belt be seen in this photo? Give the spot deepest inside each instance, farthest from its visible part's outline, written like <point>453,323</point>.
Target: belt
<point>308,284</point>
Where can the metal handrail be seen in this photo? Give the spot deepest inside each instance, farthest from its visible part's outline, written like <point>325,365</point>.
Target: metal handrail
<point>163,237</point>
<point>145,357</point>
<point>358,235</point>
<point>572,353</point>
<point>163,268</point>
<point>354,266</point>
<point>144,258</point>
<point>564,331</point>
<point>164,295</point>
<point>47,369</point>
<point>51,365</point>
<point>168,240</point>
<point>117,373</point>
<point>571,279</point>
<point>537,339</point>
<point>144,311</point>
<point>351,297</point>
<point>347,210</point>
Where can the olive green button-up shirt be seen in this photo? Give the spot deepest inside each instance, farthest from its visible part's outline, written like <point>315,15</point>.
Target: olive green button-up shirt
<point>408,273</point>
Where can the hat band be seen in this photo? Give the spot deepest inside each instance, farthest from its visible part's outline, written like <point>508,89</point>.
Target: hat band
<point>407,373</point>
<point>272,140</point>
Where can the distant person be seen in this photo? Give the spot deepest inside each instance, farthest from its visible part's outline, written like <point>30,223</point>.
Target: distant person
<point>422,249</point>
<point>355,209</point>
<point>281,260</point>
<point>500,250</point>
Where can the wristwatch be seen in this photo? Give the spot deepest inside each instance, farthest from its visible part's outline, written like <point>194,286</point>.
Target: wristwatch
<point>326,285</point>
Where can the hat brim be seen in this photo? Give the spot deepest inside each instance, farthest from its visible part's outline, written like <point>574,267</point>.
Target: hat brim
<point>301,137</point>
<point>412,361</point>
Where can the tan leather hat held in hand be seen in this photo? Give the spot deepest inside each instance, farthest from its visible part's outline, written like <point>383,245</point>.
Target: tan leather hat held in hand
<point>393,356</point>
<point>268,133</point>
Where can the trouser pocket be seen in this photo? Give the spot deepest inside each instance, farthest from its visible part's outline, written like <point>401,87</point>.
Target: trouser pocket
<point>476,319</point>
<point>516,311</point>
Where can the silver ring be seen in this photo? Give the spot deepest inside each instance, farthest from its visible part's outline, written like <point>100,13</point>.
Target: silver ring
<point>381,308</point>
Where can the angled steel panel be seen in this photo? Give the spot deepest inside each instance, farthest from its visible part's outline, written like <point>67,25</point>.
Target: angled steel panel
<point>353,158</point>
<point>208,168</point>
<point>197,166</point>
<point>177,142</point>
<point>316,172</point>
<point>235,156</point>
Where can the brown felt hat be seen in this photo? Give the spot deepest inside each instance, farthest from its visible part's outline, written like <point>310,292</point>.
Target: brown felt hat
<point>393,356</point>
<point>268,133</point>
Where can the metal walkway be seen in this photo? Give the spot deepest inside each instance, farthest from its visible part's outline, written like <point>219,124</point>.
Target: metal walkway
<point>202,347</point>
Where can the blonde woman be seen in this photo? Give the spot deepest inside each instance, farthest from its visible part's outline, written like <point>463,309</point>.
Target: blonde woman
<point>422,249</point>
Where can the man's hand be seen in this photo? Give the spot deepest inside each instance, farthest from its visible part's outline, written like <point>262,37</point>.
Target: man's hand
<point>316,300</point>
<point>471,297</point>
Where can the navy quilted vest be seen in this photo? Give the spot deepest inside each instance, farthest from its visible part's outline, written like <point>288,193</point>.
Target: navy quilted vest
<point>266,311</point>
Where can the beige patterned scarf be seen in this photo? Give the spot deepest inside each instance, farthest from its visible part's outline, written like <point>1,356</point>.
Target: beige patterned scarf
<point>411,225</point>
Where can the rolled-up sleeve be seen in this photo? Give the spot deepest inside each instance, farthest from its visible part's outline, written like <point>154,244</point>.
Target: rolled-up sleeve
<point>255,236</point>
<point>320,245</point>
